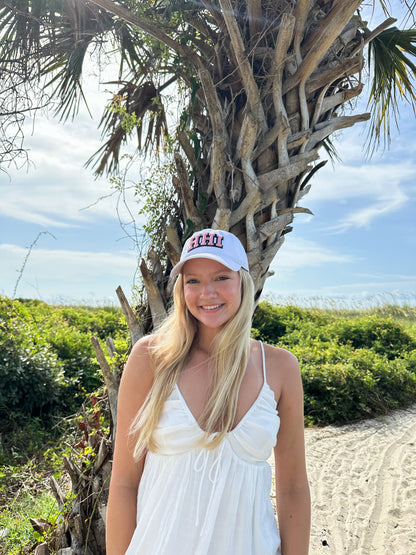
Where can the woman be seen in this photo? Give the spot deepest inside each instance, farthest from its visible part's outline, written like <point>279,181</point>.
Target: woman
<point>200,405</point>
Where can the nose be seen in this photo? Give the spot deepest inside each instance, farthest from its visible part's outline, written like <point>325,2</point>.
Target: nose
<point>208,289</point>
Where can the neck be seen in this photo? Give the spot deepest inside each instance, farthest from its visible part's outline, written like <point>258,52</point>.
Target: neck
<point>205,339</point>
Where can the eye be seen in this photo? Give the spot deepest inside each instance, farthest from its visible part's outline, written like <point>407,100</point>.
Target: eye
<point>190,281</point>
<point>222,278</point>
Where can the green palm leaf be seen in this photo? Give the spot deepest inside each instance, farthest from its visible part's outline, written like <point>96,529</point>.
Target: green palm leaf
<point>51,38</point>
<point>393,80</point>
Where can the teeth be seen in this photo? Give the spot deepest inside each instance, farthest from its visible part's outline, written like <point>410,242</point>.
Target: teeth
<point>213,307</point>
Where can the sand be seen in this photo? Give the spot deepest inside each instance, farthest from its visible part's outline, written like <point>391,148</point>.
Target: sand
<point>363,486</point>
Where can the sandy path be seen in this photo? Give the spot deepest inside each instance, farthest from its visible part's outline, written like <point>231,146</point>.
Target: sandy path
<point>363,486</point>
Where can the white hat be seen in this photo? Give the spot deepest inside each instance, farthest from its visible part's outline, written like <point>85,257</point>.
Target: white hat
<point>215,244</point>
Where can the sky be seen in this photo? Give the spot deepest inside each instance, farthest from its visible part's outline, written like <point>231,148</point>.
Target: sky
<point>66,237</point>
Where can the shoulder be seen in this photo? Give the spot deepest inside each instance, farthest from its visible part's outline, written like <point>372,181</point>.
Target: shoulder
<point>279,356</point>
<point>142,347</point>
<point>282,370</point>
<point>280,362</point>
<point>138,373</point>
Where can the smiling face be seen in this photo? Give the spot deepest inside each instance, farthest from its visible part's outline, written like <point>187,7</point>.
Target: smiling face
<point>212,292</point>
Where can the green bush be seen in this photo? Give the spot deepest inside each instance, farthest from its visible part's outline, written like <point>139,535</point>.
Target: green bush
<point>362,386</point>
<point>30,373</point>
<point>382,335</point>
<point>274,323</point>
<point>48,367</point>
<point>410,360</point>
<point>80,368</point>
<point>24,494</point>
<point>353,365</point>
<point>102,322</point>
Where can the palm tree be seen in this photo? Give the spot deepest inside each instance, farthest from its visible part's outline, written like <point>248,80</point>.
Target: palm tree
<point>263,85</point>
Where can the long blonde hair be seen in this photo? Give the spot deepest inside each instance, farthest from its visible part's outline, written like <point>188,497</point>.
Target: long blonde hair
<point>171,345</point>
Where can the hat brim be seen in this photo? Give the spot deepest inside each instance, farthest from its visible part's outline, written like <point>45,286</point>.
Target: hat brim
<point>176,270</point>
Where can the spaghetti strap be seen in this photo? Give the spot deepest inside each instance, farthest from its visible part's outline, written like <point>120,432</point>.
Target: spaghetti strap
<point>264,362</point>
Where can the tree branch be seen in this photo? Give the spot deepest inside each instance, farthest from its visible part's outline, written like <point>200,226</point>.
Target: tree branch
<point>297,166</point>
<point>244,67</point>
<point>188,149</point>
<point>156,304</point>
<point>244,150</point>
<point>321,39</point>
<point>374,34</point>
<point>301,13</point>
<point>135,328</point>
<point>222,219</point>
<point>255,24</point>
<point>334,100</point>
<point>324,77</point>
<point>220,136</point>
<point>110,380</point>
<point>181,183</point>
<point>325,129</point>
<point>276,224</point>
<point>282,126</point>
<point>250,203</point>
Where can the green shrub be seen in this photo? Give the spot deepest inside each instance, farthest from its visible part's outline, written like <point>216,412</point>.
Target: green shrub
<point>273,323</point>
<point>365,385</point>
<point>103,322</point>
<point>24,494</point>
<point>48,367</point>
<point>80,368</point>
<point>353,365</point>
<point>30,373</point>
<point>382,335</point>
<point>409,359</point>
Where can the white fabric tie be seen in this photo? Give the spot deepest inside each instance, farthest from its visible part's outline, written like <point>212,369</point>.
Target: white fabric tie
<point>200,466</point>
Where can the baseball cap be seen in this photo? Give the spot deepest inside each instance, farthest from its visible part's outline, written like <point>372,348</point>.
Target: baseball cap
<point>215,244</point>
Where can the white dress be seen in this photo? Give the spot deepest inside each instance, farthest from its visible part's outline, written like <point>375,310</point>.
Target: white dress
<point>195,501</point>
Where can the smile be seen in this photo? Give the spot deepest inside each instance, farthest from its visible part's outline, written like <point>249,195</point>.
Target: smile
<point>212,307</point>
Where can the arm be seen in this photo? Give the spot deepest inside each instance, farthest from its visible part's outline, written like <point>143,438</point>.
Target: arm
<point>292,488</point>
<point>135,384</point>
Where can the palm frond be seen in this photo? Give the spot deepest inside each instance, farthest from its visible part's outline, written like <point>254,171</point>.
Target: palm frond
<point>331,150</point>
<point>140,103</point>
<point>47,40</point>
<point>393,80</point>
<point>410,6</point>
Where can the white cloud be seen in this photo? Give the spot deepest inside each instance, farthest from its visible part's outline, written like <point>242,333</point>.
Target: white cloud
<point>56,188</point>
<point>395,277</point>
<point>85,264</point>
<point>49,273</point>
<point>365,181</point>
<point>366,192</point>
<point>302,253</point>
<point>393,201</point>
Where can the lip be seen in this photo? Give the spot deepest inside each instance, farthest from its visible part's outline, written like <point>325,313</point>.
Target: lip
<point>211,307</point>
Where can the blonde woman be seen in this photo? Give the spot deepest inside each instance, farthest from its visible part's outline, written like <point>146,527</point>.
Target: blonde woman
<point>201,407</point>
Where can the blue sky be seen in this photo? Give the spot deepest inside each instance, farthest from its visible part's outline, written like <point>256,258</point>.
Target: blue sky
<point>359,245</point>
